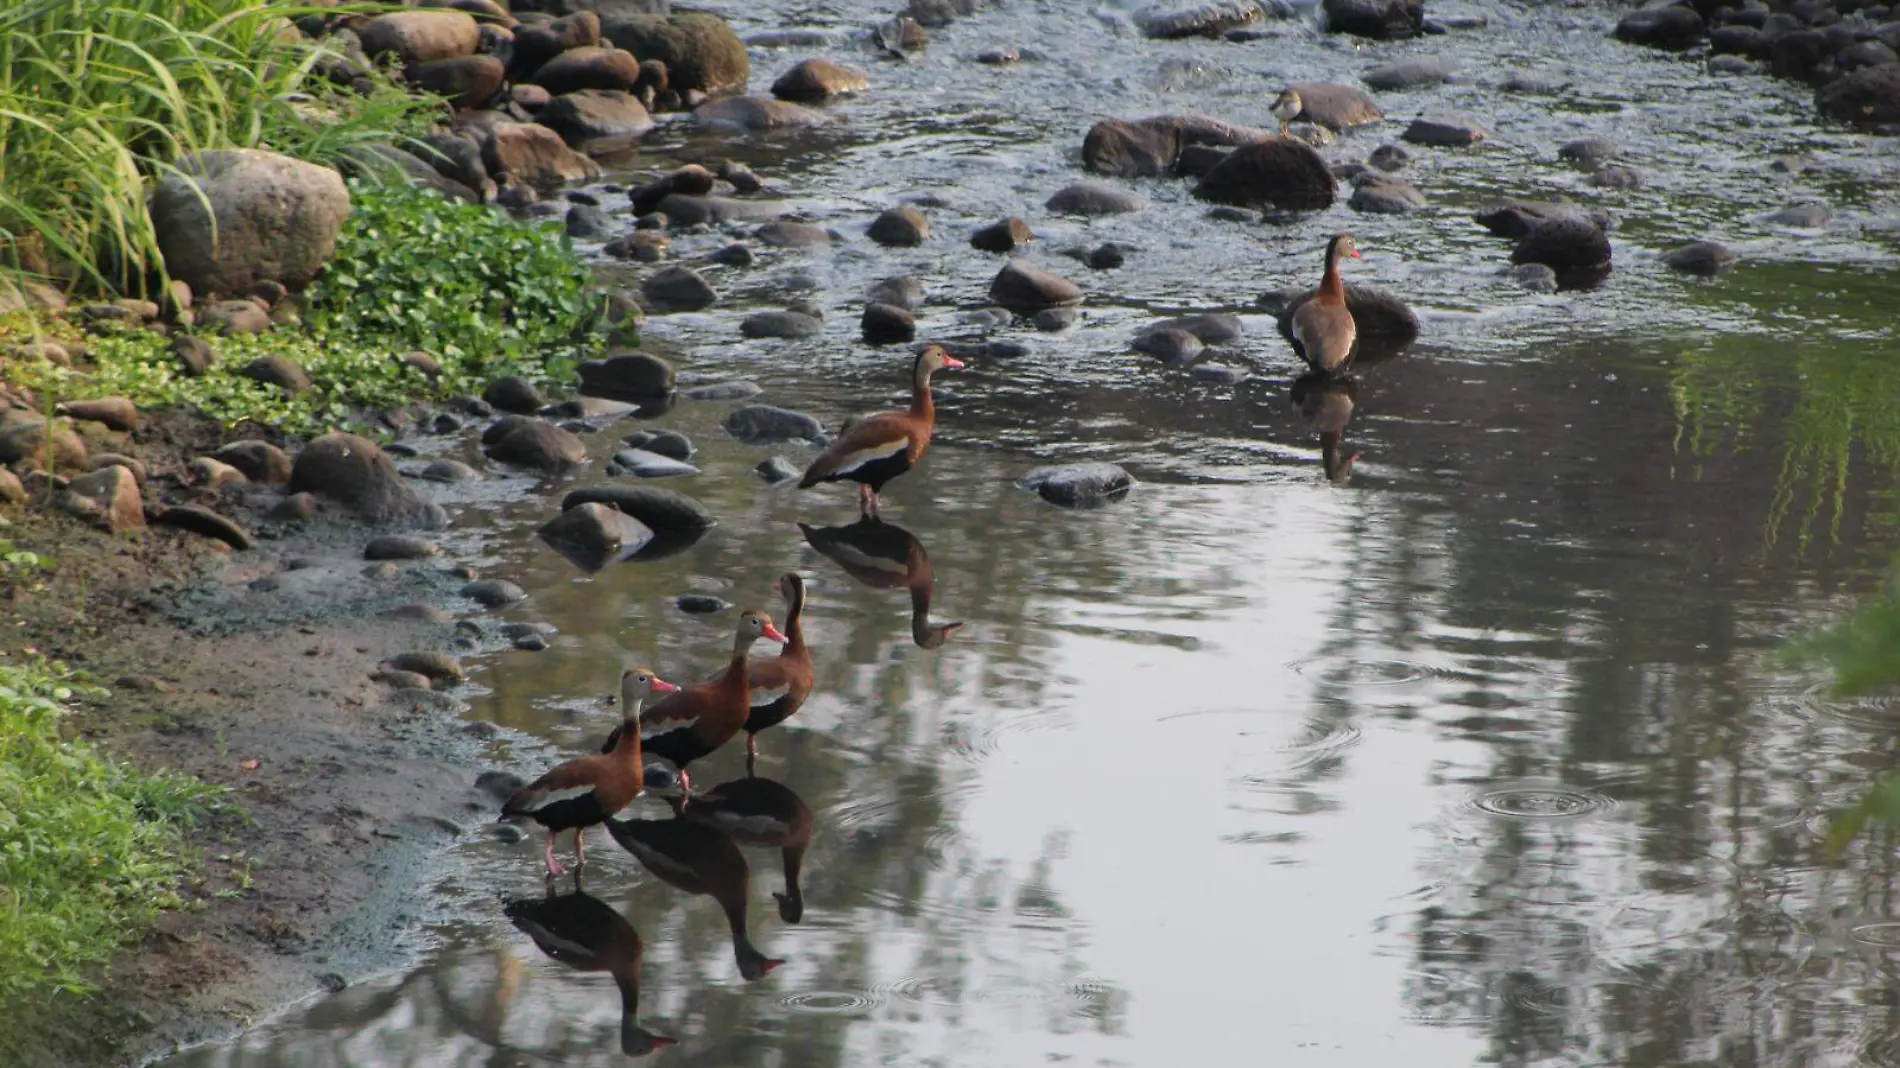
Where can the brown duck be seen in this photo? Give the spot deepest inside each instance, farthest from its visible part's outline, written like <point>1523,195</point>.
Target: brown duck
<point>779,685</point>
<point>877,448</point>
<point>1323,325</point>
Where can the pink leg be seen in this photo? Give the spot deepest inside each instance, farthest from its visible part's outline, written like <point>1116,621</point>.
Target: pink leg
<point>866,501</point>
<point>580,849</point>
<point>686,784</point>
<point>554,866</point>
<point>752,747</point>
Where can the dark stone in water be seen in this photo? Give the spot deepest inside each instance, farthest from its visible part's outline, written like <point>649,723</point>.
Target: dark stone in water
<point>531,643</point>
<point>1130,149</point>
<point>588,223</point>
<point>1213,328</point>
<point>354,472</point>
<point>513,393</point>
<point>1868,96</point>
<point>1217,373</point>
<point>538,445</point>
<point>1564,242</point>
<point>1515,218</point>
<point>1054,320</point>
<point>398,547</point>
<point>1026,289</point>
<point>1673,28</point>
<point>1706,258</point>
<point>665,511</point>
<point>1385,324</point>
<point>1535,277</point>
<point>1004,235</point>
<point>788,233</point>
<point>1197,161</point>
<point>500,785</point>
<point>668,443</point>
<point>1207,20</point>
<point>1589,151</point>
<point>1390,158</point>
<point>633,377</point>
<point>641,463</point>
<point>1281,173</point>
<point>1105,257</point>
<point>780,324</point>
<point>1803,216</point>
<point>1089,485</point>
<point>733,255</point>
<point>777,469</point>
<point>1006,349</point>
<point>1614,177</point>
<point>678,288</point>
<point>699,604</point>
<point>887,324</point>
<point>1088,198</point>
<point>592,535</point>
<point>738,390</point>
<point>903,226</point>
<point>1335,106</point>
<point>763,424</point>
<point>1168,344</point>
<point>902,291</point>
<point>1382,194</point>
<point>1442,133</point>
<point>1416,73</point>
<point>1378,19</point>
<point>494,593</point>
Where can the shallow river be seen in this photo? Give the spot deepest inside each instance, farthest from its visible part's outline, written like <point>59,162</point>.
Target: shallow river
<point>1485,755</point>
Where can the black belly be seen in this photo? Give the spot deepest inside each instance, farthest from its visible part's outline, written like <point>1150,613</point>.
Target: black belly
<point>771,715</point>
<point>681,747</point>
<point>876,472</point>
<point>582,811</point>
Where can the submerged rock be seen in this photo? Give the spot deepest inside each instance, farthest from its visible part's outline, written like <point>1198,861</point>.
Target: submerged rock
<point>665,511</point>
<point>538,445</point>
<point>641,463</point>
<point>1384,195</point>
<point>1706,258</point>
<point>777,469</point>
<point>1378,19</point>
<point>1385,324</point>
<point>592,535</point>
<point>1334,106</point>
<point>819,79</point>
<point>1281,173</point>
<point>1564,242</point>
<point>678,289</point>
<point>1089,198</point>
<point>1206,20</point>
<point>763,424</point>
<point>781,324</point>
<point>1026,289</point>
<point>1089,485</point>
<point>887,324</point>
<point>903,226</point>
<point>1168,344</point>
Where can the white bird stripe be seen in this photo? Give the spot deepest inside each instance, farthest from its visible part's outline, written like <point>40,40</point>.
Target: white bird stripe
<point>847,554</point>
<point>853,461</point>
<point>555,797</point>
<point>764,696</point>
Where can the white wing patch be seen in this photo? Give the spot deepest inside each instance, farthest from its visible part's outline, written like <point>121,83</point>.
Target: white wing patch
<point>650,730</point>
<point>555,797</point>
<point>761,695</point>
<point>853,461</point>
<point>845,553</point>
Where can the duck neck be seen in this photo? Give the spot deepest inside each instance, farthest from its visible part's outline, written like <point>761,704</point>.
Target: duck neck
<point>627,749</point>
<point>920,402</point>
<point>794,617</point>
<point>736,674</point>
<point>1330,285</point>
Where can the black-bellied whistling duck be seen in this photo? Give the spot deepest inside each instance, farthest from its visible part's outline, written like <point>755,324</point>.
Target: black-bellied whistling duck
<point>779,685</point>
<point>877,448</point>
<point>885,556</point>
<point>586,934</point>
<point>1323,325</point>
<point>699,719</point>
<point>699,859</point>
<point>587,790</point>
<point>1286,107</point>
<point>764,814</point>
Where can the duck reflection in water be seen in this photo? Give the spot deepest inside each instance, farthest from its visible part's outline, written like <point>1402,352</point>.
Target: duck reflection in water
<point>763,814</point>
<point>885,556</point>
<point>699,859</point>
<point>1326,403</point>
<point>586,934</point>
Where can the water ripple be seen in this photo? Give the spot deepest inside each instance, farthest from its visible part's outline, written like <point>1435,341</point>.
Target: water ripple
<point>1534,800</point>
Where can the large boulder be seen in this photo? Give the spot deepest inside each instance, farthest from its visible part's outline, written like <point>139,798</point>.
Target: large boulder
<point>699,49</point>
<point>1670,27</point>
<point>228,219</point>
<point>1869,96</point>
<point>1334,106</point>
<point>421,36</point>
<point>1564,242</point>
<point>595,115</point>
<point>589,67</point>
<point>535,155</point>
<point>1379,19</point>
<point>819,79</point>
<point>356,473</point>
<point>1384,324</point>
<point>536,44</point>
<point>467,81</point>
<point>1281,173</point>
<point>1024,288</point>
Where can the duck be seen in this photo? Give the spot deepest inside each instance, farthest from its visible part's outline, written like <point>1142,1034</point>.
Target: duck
<point>587,790</point>
<point>779,685</point>
<point>885,556</point>
<point>1286,107</point>
<point>698,858</point>
<point>699,719</point>
<point>877,448</point>
<point>764,814</point>
<point>1323,326</point>
<point>586,934</point>
<point>1326,403</point>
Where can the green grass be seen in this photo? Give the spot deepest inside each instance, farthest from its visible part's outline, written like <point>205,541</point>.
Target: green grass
<point>90,850</point>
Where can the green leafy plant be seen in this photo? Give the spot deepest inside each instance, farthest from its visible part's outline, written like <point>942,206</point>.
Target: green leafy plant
<point>90,851</point>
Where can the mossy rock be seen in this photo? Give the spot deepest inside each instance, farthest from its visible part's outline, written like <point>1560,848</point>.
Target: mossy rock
<point>699,49</point>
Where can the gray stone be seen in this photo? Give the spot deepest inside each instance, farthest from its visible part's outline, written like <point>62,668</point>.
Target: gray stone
<point>1378,19</point>
<point>763,424</point>
<point>1589,151</point>
<point>269,217</point>
<point>903,291</point>
<point>699,49</point>
<point>493,593</point>
<point>1380,194</point>
<point>1087,485</point>
<point>903,226</point>
<point>1564,242</point>
<point>1218,374</point>
<point>589,67</point>
<point>641,463</point>
<point>699,604</point>
<point>716,391</point>
<point>633,377</point>
<point>751,114</point>
<point>661,510</point>
<point>1673,28</point>
<point>789,233</point>
<point>1024,288</point>
<point>399,547</point>
<point>1334,106</point>
<point>777,469</point>
<point>1535,277</point>
<point>1803,216</point>
<point>513,393</point>
<point>887,324</point>
<point>1168,344</point>
<point>1390,158</point>
<point>354,472</point>
<point>596,115</point>
<point>1419,72</point>
<point>1281,173</point>
<point>780,324</point>
<point>1442,133</point>
<point>1090,198</point>
<point>1055,320</point>
<point>1706,258</point>
<point>678,289</point>
<point>538,445</point>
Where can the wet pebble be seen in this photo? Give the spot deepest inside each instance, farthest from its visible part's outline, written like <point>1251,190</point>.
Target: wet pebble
<point>902,291</point>
<point>1217,373</point>
<point>1105,257</point>
<point>588,223</point>
<point>999,57</point>
<point>1007,349</point>
<point>1730,64</point>
<point>787,233</point>
<point>699,604</point>
<point>418,612</point>
<point>1616,177</point>
<point>1535,277</point>
<point>629,377</point>
<point>986,318</point>
<point>516,628</point>
<point>763,424</point>
<point>776,469</point>
<point>734,255</point>
<point>1085,485</point>
<point>741,177</point>
<point>1213,328</point>
<point>903,226</point>
<point>1055,320</point>
<point>887,324</point>
<point>1381,194</point>
<point>678,288</point>
<point>536,444</point>
<point>403,680</point>
<point>432,663</point>
<point>641,463</point>
<point>294,507</point>
<point>790,325</point>
<point>399,547</point>
<point>1589,151</point>
<point>1442,133</point>
<point>1168,344</point>
<point>1092,198</point>
<point>1023,287</point>
<point>448,471</point>
<point>819,79</point>
<point>669,443</point>
<point>1416,73</point>
<point>1706,258</point>
<point>1390,158</point>
<point>1003,235</point>
<point>530,643</point>
<point>493,593</point>
<point>736,390</point>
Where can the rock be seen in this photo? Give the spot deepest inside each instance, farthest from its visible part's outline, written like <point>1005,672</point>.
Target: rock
<point>279,371</point>
<point>903,226</point>
<point>741,177</point>
<point>107,498</point>
<point>459,160</point>
<point>399,547</point>
<point>669,443</point>
<point>763,424</point>
<point>902,291</point>
<point>1674,28</point>
<point>1564,242</point>
<point>1535,277</point>
<point>399,680</point>
<point>723,391</point>
<point>1589,151</point>
<point>756,113</point>
<point>1706,258</point>
<point>773,469</point>
<point>1378,19</point>
<point>194,353</point>
<point>205,523</point>
<point>700,51</point>
<point>270,217</point>
<point>787,233</point>
<point>420,36</point>
<point>234,317</point>
<point>1803,216</point>
<point>1336,107</point>
<point>641,463</point>
<point>1004,235</point>
<point>355,473</point>
<point>678,289</point>
<point>819,79</point>
<point>118,413</point>
<point>50,351</point>
<point>33,443</point>
<point>531,643</point>
<point>536,156</point>
<point>661,510</point>
<point>206,473</point>
<point>1617,178</point>
<point>593,535</point>
<point>734,255</point>
<point>1389,158</point>
<point>1024,288</point>
<point>887,324</point>
<point>513,393</point>
<point>536,44</point>
<point>1444,134</point>
<point>1000,57</point>
<point>691,180</point>
<point>1207,20</point>
<point>466,81</point>
<point>294,507</point>
<point>1281,173</point>
<point>1384,195</point>
<point>1865,54</point>
<point>449,471</point>
<point>1213,328</point>
<point>493,593</point>
<point>1417,73</point>
<point>259,461</point>
<point>1089,485</point>
<point>1168,344</point>
<point>130,463</point>
<point>1869,96</point>
<point>1055,320</point>
<point>589,67</point>
<point>1217,373</point>
<point>1385,324</point>
<point>12,490</point>
<point>781,324</point>
<point>596,115</point>
<point>1131,149</point>
<point>500,785</point>
<point>1105,257</point>
<point>699,604</point>
<point>646,246</point>
<point>1515,218</point>
<point>432,664</point>
<point>1088,198</point>
<point>633,377</point>
<point>538,445</point>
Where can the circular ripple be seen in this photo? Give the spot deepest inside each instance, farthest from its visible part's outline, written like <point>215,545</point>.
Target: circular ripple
<point>1391,672</point>
<point>1540,801</point>
<point>1884,934</point>
<point>828,1002</point>
<point>926,990</point>
<point>1314,738</point>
